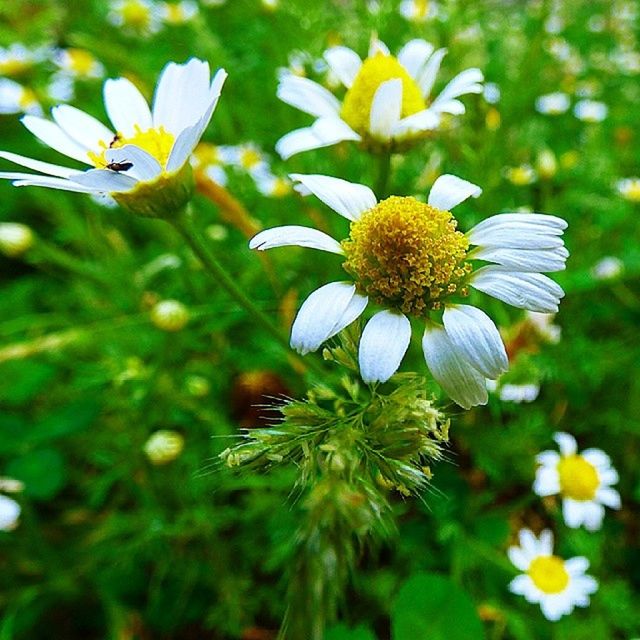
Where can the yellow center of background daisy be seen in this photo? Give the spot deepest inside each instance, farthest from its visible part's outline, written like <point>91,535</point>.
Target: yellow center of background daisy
<point>356,107</point>
<point>14,66</point>
<point>632,191</point>
<point>81,62</point>
<point>578,478</point>
<point>135,14</point>
<point>156,142</point>
<point>407,255</point>
<point>549,574</point>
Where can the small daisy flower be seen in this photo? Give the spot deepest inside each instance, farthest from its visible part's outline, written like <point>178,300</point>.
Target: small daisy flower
<point>608,268</point>
<point>521,175</point>
<point>555,584</point>
<point>208,159</point>
<point>629,189</point>
<point>583,480</point>
<point>388,100</point>
<point>140,17</point>
<point>270,185</point>
<point>248,157</point>
<point>14,98</point>
<point>418,10</point>
<point>409,258</point>
<point>519,393</point>
<point>79,64</point>
<point>177,13</point>
<point>590,111</point>
<point>9,513</point>
<point>16,59</point>
<point>553,104</point>
<point>144,161</point>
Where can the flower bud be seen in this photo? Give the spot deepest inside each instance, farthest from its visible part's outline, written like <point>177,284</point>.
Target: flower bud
<point>15,239</point>
<point>9,513</point>
<point>170,315</point>
<point>547,164</point>
<point>164,446</point>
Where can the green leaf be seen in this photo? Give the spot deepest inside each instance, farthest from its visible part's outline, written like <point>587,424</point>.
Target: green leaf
<point>342,632</point>
<point>27,378</point>
<point>43,473</point>
<point>432,607</point>
<point>72,418</point>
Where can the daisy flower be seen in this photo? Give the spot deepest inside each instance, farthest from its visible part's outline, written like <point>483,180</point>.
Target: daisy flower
<point>553,104</point>
<point>9,513</point>
<point>141,17</point>
<point>608,268</point>
<point>177,13</point>
<point>270,185</point>
<point>208,159</point>
<point>582,479</point>
<point>521,175</point>
<point>79,64</point>
<point>409,258</point>
<point>629,189</point>
<point>143,162</point>
<point>388,101</point>
<point>14,98</point>
<point>555,584</point>
<point>16,59</point>
<point>418,10</point>
<point>590,111</point>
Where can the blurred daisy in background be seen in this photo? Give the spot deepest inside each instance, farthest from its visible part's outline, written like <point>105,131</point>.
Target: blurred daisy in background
<point>177,13</point>
<point>138,17</point>
<point>590,111</point>
<point>207,159</point>
<point>608,268</point>
<point>521,175</point>
<point>418,10</point>
<point>583,480</point>
<point>17,59</point>
<point>9,509</point>
<point>388,101</point>
<point>557,585</point>
<point>143,162</point>
<point>629,189</point>
<point>516,393</point>
<point>14,98</point>
<point>270,185</point>
<point>409,258</point>
<point>78,64</point>
<point>553,104</point>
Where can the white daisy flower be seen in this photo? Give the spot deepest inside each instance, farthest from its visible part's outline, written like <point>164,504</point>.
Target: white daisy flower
<point>270,185</point>
<point>208,159</point>
<point>555,584</point>
<point>388,101</point>
<point>553,104</point>
<point>629,189</point>
<point>582,479</point>
<point>79,64</point>
<point>143,161</point>
<point>176,13</point>
<point>9,513</point>
<point>141,17</point>
<point>590,111</point>
<point>418,10</point>
<point>408,257</point>
<point>521,175</point>
<point>608,268</point>
<point>16,59</point>
<point>14,98</point>
<point>543,324</point>
<point>519,393</point>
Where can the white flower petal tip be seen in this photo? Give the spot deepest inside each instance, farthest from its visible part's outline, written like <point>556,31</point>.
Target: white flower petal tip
<point>344,62</point>
<point>308,96</point>
<point>464,384</point>
<point>385,339</point>
<point>322,133</point>
<point>476,338</point>
<point>126,106</point>
<point>346,198</point>
<point>386,108</point>
<point>293,235</point>
<point>448,191</point>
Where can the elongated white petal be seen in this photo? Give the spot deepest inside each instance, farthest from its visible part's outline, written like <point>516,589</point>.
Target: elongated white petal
<point>385,109</point>
<point>414,55</point>
<point>81,127</point>
<point>53,183</point>
<point>453,106</point>
<point>145,166</point>
<point>183,147</point>
<point>593,515</point>
<point>547,482</point>
<point>308,96</point>
<point>566,443</point>
<point>425,120</point>
<point>346,198</point>
<point>322,133</point>
<point>532,291</point>
<point>353,311</point>
<point>320,313</point>
<point>609,497</point>
<point>548,458</point>
<point>344,62</point>
<point>476,338</point>
<point>597,457</point>
<point>448,191</point>
<point>377,46</point>
<point>534,260</point>
<point>385,339</point>
<point>576,566</point>
<point>528,543</point>
<point>294,235</point>
<point>468,81</point>
<point>105,180</point>
<point>428,75</point>
<point>510,224</point>
<point>126,107</point>
<point>53,136</point>
<point>464,384</point>
<point>523,236</point>
<point>38,165</point>
<point>545,542</point>
<point>518,559</point>
<point>521,585</point>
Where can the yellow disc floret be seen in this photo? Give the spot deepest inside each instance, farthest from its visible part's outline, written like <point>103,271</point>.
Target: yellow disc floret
<point>356,108</point>
<point>549,574</point>
<point>407,255</point>
<point>135,14</point>
<point>578,478</point>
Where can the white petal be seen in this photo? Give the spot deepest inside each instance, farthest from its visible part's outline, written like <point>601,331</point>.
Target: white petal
<point>344,62</point>
<point>545,543</point>
<point>466,386</point>
<point>52,183</point>
<point>308,96</point>
<point>528,543</point>
<point>428,75</point>
<point>183,146</point>
<point>38,165</point>
<point>53,136</point>
<point>586,584</point>
<point>521,584</point>
<point>566,442</point>
<point>145,166</point>
<point>385,339</point>
<point>425,120</point>
<point>597,458</point>
<point>547,482</point>
<point>573,512</point>
<point>548,459</point>
<point>553,608</point>
<point>81,127</point>
<point>322,133</point>
<point>576,566</point>
<point>476,338</point>
<point>593,515</point>
<point>494,230</point>
<point>353,311</point>
<point>518,558</point>
<point>531,291</point>
<point>468,81</point>
<point>346,198</point>
<point>533,260</point>
<point>607,476</point>
<point>448,191</point>
<point>377,46</point>
<point>385,109</point>
<point>293,235</point>
<point>454,107</point>
<point>413,56</point>
<point>105,180</point>
<point>320,313</point>
<point>126,107</point>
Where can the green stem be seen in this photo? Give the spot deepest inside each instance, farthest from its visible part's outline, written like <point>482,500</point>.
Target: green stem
<point>46,253</point>
<point>184,226</point>
<point>384,171</point>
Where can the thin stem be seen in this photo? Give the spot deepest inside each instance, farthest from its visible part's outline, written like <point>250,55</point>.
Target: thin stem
<point>192,237</point>
<point>384,170</point>
<point>44,252</point>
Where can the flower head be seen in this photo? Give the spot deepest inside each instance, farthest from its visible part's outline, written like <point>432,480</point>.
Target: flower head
<point>553,104</point>
<point>388,101</point>
<point>583,480</point>
<point>16,59</point>
<point>409,258</point>
<point>78,64</point>
<point>9,513</point>
<point>629,189</point>
<point>139,17</point>
<point>590,111</point>
<point>143,161</point>
<point>418,10</point>
<point>15,98</point>
<point>555,584</point>
<point>177,13</point>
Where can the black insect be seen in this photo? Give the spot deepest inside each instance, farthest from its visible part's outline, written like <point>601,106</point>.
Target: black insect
<point>119,166</point>
<point>116,138</point>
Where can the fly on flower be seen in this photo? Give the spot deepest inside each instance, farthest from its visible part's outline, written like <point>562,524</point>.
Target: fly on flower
<point>388,102</point>
<point>144,164</point>
<point>409,258</point>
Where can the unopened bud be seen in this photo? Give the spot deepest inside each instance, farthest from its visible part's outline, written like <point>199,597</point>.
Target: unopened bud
<point>170,315</point>
<point>164,446</point>
<point>15,239</point>
<point>547,164</point>
<point>9,513</point>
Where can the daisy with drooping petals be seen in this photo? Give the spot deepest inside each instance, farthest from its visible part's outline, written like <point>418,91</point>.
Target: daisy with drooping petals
<point>387,104</point>
<point>14,98</point>
<point>555,584</point>
<point>582,479</point>
<point>144,161</point>
<point>408,257</point>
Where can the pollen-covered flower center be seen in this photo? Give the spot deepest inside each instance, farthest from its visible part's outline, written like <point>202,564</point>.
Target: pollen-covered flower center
<point>356,107</point>
<point>156,142</point>
<point>549,574</point>
<point>407,255</point>
<point>578,478</point>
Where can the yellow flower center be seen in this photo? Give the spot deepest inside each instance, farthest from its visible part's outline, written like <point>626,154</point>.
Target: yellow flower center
<point>421,8</point>
<point>632,191</point>
<point>549,574</point>
<point>407,255</point>
<point>175,14</point>
<point>356,107</point>
<point>81,62</point>
<point>280,188</point>
<point>157,142</point>
<point>206,154</point>
<point>27,98</point>
<point>249,158</point>
<point>14,66</point>
<point>578,478</point>
<point>135,14</point>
